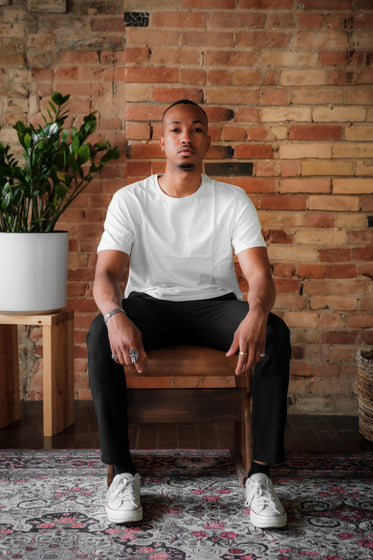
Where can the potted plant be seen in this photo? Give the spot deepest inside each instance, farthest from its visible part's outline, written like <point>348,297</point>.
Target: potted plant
<point>58,166</point>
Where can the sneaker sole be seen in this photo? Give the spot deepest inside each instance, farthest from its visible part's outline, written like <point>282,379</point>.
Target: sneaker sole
<point>124,516</point>
<point>277,522</point>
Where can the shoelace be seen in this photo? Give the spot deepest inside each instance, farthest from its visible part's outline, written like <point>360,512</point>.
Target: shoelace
<point>125,490</point>
<point>263,497</point>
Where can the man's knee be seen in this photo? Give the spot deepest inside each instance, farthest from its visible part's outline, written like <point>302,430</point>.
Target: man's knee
<point>97,333</point>
<point>278,334</point>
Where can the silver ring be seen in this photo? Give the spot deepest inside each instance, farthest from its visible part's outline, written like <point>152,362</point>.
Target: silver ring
<point>261,355</point>
<point>133,355</point>
<point>114,357</point>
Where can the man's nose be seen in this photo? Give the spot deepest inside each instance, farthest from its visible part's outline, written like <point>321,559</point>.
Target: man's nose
<point>186,138</point>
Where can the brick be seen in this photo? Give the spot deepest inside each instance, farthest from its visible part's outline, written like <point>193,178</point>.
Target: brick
<point>240,95</point>
<point>338,114</point>
<point>320,237</point>
<point>236,20</point>
<point>208,4</point>
<point>360,320</point>
<point>146,112</point>
<point>146,75</point>
<point>335,255</point>
<point>326,4</point>
<point>315,132</point>
<point>280,114</point>
<point>277,236</point>
<point>363,254</point>
<point>275,96</point>
<point>265,4</point>
<point>140,36</point>
<point>301,319</point>
<point>306,150</point>
<point>108,24</point>
<point>335,58</point>
<point>301,369</point>
<point>169,95</point>
<point>175,55</point>
<point>207,39</point>
<point>280,20</point>
<point>286,285</point>
<point>320,40</point>
<point>319,220</point>
<point>352,186</point>
<point>138,131</point>
<point>237,133</point>
<point>284,203</point>
<point>302,185</point>
<point>263,39</point>
<point>325,167</point>
<point>319,96</point>
<point>359,132</point>
<point>329,287</point>
<point>144,151</point>
<point>284,269</point>
<point>311,271</point>
<point>303,77</point>
<point>197,77</point>
<point>246,77</point>
<point>339,337</point>
<point>329,320</point>
<point>289,168</point>
<point>229,58</point>
<point>180,19</point>
<point>292,254</point>
<point>335,202</point>
<point>267,168</point>
<point>138,55</point>
<point>340,271</point>
<point>361,95</point>
<point>254,151</point>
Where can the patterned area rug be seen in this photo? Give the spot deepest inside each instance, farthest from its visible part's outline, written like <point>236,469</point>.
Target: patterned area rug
<point>52,508</point>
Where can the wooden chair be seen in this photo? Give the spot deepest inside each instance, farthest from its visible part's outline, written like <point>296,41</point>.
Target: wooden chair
<point>193,384</point>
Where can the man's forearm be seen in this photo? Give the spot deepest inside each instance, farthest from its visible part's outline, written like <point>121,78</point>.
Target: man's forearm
<point>107,293</point>
<point>262,294</point>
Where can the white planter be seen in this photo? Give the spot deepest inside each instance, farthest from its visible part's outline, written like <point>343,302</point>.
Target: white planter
<point>33,276</point>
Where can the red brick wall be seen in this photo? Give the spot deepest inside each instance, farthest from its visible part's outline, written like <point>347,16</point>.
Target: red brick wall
<point>288,89</point>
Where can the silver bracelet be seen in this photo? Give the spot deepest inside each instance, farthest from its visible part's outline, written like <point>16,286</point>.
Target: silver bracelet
<point>113,312</point>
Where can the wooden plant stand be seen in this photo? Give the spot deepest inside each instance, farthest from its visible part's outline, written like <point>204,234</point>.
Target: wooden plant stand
<point>58,369</point>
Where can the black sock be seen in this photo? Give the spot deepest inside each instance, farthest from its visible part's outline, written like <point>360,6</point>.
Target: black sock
<point>125,468</point>
<point>258,468</point>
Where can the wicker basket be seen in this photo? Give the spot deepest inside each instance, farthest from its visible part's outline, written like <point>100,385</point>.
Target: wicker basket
<point>365,393</point>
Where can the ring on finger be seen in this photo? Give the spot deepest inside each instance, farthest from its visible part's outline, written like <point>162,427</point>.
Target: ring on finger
<point>261,355</point>
<point>114,357</point>
<point>243,353</point>
<point>134,354</point>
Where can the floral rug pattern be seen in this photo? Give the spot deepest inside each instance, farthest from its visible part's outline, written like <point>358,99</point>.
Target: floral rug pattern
<point>52,507</point>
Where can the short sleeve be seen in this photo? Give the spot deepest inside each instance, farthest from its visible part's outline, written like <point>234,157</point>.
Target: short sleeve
<point>118,227</point>
<point>246,231</point>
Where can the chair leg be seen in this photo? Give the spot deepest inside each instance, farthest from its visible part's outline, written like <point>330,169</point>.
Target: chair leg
<point>242,452</point>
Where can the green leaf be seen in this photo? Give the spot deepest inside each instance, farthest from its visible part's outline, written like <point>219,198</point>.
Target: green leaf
<point>83,154</point>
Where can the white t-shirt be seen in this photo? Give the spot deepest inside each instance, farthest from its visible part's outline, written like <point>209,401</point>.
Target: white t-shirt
<point>181,248</point>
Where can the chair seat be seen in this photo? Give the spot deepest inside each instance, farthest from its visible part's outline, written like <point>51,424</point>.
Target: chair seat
<point>193,383</point>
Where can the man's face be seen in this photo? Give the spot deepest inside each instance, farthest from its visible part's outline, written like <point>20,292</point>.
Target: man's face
<point>185,140</point>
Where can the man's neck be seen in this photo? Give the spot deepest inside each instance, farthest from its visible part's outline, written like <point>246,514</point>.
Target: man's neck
<point>181,183</point>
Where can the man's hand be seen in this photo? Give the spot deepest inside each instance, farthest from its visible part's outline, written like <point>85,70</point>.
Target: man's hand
<point>123,336</point>
<point>249,340</point>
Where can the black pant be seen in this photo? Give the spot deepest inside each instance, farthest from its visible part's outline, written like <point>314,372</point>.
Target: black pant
<point>208,323</point>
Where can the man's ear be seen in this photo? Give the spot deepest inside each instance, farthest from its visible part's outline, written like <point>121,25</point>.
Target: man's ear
<point>161,142</point>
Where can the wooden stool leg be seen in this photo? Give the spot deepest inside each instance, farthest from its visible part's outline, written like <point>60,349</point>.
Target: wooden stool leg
<point>58,376</point>
<point>242,452</point>
<point>10,409</point>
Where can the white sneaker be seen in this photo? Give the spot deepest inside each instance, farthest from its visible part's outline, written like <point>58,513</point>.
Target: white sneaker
<point>266,510</point>
<point>123,499</point>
